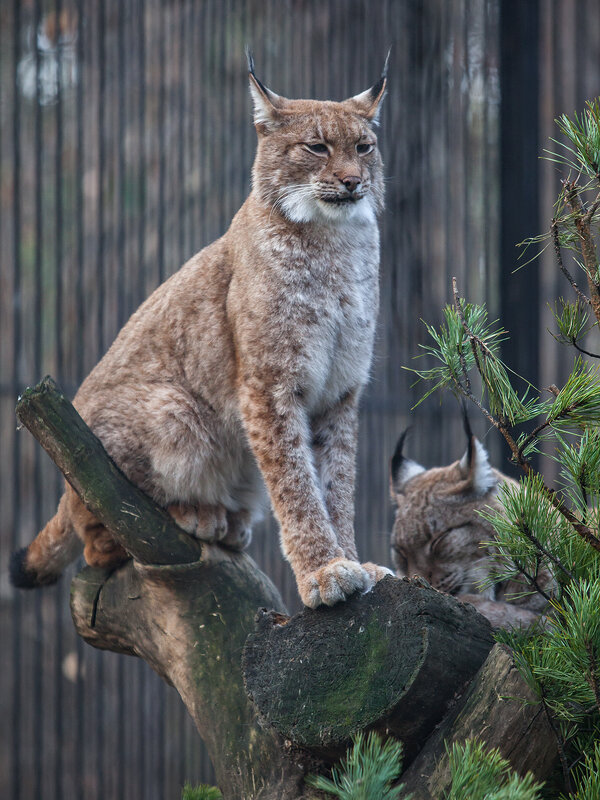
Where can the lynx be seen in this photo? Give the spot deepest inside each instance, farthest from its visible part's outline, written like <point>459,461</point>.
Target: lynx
<point>244,369</point>
<point>439,535</point>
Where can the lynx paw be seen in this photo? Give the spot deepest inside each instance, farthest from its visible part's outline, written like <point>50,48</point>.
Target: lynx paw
<point>375,572</point>
<point>336,581</point>
<point>207,523</point>
<point>239,530</point>
<point>101,550</point>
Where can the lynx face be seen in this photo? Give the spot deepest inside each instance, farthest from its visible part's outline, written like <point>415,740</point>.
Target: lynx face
<point>437,531</point>
<point>318,161</point>
<point>439,534</point>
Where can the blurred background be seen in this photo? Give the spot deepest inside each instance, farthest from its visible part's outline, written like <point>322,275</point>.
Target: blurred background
<point>126,144</point>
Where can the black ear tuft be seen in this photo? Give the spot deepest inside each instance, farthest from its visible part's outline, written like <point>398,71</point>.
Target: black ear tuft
<point>250,59</point>
<point>398,458</point>
<point>376,89</point>
<point>468,432</point>
<point>21,577</point>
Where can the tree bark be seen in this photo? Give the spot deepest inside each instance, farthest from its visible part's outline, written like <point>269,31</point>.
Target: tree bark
<point>391,660</point>
<point>500,710</point>
<point>190,622</point>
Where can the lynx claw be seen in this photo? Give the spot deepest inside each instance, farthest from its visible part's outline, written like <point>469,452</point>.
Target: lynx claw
<point>334,582</point>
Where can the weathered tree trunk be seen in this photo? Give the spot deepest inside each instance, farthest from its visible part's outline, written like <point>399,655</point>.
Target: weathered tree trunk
<point>190,622</point>
<point>492,711</point>
<point>391,660</point>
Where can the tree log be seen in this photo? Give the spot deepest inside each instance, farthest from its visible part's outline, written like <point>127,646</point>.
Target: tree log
<point>391,661</point>
<point>184,607</point>
<point>146,531</point>
<point>492,711</point>
<point>190,622</point>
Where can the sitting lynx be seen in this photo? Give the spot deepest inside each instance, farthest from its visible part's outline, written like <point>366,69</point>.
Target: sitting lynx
<point>247,364</point>
<point>439,535</point>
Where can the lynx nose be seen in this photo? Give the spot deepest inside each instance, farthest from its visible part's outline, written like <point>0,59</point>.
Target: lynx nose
<point>351,182</point>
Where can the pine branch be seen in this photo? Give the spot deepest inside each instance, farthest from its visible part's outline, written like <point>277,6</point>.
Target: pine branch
<point>555,238</point>
<point>559,743</point>
<point>477,345</point>
<point>524,528</point>
<point>588,250</point>
<point>593,680</point>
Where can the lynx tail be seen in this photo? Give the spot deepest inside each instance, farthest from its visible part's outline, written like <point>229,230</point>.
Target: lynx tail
<point>42,563</point>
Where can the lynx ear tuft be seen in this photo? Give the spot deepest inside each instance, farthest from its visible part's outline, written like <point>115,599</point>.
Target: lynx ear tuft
<point>368,104</point>
<point>402,469</point>
<point>476,468</point>
<point>267,104</point>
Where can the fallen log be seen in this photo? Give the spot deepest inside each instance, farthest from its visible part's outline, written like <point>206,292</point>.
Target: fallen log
<point>392,660</point>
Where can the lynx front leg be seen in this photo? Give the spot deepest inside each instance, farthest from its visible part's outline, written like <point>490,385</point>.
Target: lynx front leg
<point>279,434</point>
<point>334,447</point>
<point>335,435</point>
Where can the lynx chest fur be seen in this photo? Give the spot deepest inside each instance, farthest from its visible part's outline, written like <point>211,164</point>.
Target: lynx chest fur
<point>245,368</point>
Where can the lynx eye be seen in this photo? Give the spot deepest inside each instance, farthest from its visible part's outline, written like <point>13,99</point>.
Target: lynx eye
<point>364,148</point>
<point>319,149</point>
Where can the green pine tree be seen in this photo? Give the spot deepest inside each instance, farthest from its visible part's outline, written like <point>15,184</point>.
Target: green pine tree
<point>548,529</point>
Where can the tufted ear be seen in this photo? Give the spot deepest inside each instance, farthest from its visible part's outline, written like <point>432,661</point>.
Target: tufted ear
<point>402,469</point>
<point>368,104</point>
<point>268,106</point>
<point>475,467</point>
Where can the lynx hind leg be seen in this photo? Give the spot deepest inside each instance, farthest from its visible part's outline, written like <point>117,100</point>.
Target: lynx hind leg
<point>239,530</point>
<point>100,548</point>
<point>205,522</point>
<point>334,582</point>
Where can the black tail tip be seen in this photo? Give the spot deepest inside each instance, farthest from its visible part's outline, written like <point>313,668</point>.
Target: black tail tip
<point>23,578</point>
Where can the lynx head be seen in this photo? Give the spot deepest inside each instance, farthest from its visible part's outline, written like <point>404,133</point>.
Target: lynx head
<point>317,161</point>
<point>437,531</point>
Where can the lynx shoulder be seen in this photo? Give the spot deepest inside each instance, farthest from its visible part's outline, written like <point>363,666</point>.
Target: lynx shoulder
<point>439,534</point>
<point>244,369</point>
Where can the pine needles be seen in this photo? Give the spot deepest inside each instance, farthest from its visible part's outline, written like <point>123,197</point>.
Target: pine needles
<point>547,538</point>
<point>367,772</point>
<point>478,774</point>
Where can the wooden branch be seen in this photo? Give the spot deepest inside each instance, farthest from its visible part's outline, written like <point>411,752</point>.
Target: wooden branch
<point>588,249</point>
<point>492,711</point>
<point>390,661</point>
<point>190,622</point>
<point>138,524</point>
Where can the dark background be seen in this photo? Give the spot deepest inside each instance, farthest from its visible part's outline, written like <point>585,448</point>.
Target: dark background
<point>125,146</point>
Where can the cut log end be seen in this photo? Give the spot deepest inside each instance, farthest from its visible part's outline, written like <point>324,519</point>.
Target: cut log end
<point>372,662</point>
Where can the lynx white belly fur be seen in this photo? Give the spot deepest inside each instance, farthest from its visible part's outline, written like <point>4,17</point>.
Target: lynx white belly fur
<point>244,369</point>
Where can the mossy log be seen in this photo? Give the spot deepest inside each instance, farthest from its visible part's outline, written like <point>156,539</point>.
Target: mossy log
<point>501,711</point>
<point>190,622</point>
<point>184,607</point>
<point>391,661</point>
<point>146,531</point>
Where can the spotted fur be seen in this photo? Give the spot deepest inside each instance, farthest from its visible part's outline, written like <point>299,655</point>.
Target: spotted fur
<point>439,534</point>
<point>246,367</point>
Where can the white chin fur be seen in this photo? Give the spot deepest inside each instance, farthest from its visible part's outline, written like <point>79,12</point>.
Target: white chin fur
<point>300,207</point>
